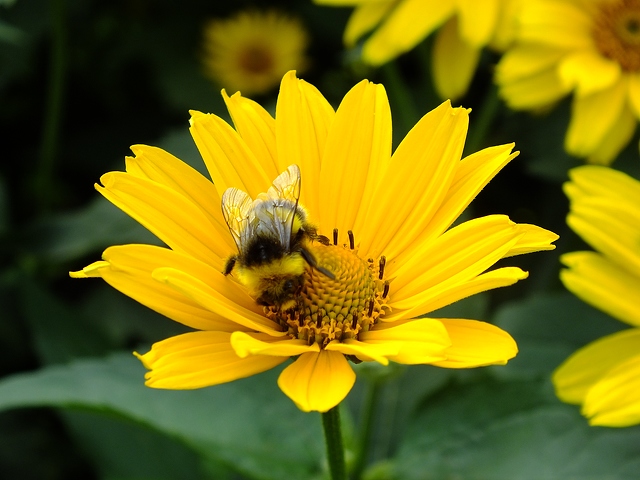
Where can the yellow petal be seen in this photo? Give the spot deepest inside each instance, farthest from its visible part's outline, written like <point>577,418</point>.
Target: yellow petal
<point>257,128</point>
<point>458,255</point>
<point>476,344</point>
<point>317,381</point>
<point>614,401</point>
<point>592,117</point>
<point>478,20</point>
<point>417,341</point>
<point>303,118</point>
<point>405,27</point>
<point>618,137</point>
<point>442,295</point>
<point>588,72</point>
<point>454,61</point>
<point>472,174</point>
<point>534,92</point>
<point>173,218</point>
<point>129,269</point>
<point>227,156</point>
<point>597,181</point>
<point>611,226</point>
<point>359,140</point>
<point>365,18</point>
<point>422,169</point>
<point>557,24</point>
<point>246,344</point>
<point>523,61</point>
<point>634,93</point>
<point>200,359</point>
<point>215,301</point>
<point>365,351</point>
<point>603,284</point>
<point>533,239</point>
<point>159,166</point>
<point>584,368</point>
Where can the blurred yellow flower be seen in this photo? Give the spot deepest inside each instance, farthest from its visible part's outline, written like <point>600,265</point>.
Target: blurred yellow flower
<point>252,50</point>
<point>389,258</point>
<point>465,28</point>
<point>604,376</point>
<point>590,48</point>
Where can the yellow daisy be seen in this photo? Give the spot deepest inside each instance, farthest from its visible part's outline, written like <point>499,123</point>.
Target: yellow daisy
<point>252,50</point>
<point>604,376</point>
<point>389,255</point>
<point>465,28</point>
<point>590,48</point>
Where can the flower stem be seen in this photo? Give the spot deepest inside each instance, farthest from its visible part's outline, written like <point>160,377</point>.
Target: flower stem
<point>483,123</point>
<point>368,411</point>
<point>400,96</point>
<point>333,438</point>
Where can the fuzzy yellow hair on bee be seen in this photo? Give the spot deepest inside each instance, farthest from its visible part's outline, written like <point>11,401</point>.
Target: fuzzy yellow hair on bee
<point>270,233</point>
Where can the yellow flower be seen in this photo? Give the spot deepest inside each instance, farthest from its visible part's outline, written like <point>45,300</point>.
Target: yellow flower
<point>604,376</point>
<point>391,252</point>
<point>252,50</point>
<point>465,28</point>
<point>590,48</point>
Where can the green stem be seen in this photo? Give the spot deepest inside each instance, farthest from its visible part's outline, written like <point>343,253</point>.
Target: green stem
<point>368,412</point>
<point>333,438</point>
<point>50,134</point>
<point>400,96</point>
<point>483,122</point>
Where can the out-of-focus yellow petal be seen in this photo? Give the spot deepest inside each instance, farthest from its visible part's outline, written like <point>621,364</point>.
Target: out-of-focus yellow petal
<point>557,24</point>
<point>355,158</point>
<point>421,171</point>
<point>317,381</point>
<point>173,218</point>
<point>598,181</point>
<point>401,32</point>
<point>603,284</point>
<point>227,156</point>
<point>477,21</point>
<point>614,401</point>
<point>200,359</point>
<point>523,61</point>
<point>618,137</point>
<point>634,93</point>
<point>213,300</point>
<point>303,118</point>
<point>442,295</point>
<point>534,92</point>
<point>257,128</point>
<point>507,24</point>
<point>588,72</point>
<point>458,255</point>
<point>476,344</point>
<point>246,344</point>
<point>129,268</point>
<point>417,341</point>
<point>452,77</point>
<point>584,368</point>
<point>592,117</point>
<point>611,227</point>
<point>364,18</point>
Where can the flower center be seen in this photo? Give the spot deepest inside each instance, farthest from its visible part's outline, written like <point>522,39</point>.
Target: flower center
<point>616,32</point>
<point>336,308</point>
<point>255,59</point>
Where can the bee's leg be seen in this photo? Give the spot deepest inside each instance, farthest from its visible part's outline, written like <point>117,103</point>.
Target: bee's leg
<point>312,261</point>
<point>231,262</point>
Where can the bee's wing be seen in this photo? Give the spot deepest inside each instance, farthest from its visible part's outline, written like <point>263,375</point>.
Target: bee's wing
<point>276,209</point>
<point>236,210</point>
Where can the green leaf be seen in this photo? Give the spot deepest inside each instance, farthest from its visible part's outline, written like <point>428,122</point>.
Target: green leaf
<point>248,424</point>
<point>515,431</point>
<point>548,328</point>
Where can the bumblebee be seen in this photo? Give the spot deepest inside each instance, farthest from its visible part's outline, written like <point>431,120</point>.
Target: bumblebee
<point>271,233</point>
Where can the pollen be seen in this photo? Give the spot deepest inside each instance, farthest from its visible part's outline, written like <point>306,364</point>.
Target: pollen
<point>616,32</point>
<point>336,308</point>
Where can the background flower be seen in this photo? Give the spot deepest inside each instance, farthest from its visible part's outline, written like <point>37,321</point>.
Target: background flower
<point>464,29</point>
<point>590,49</point>
<point>251,50</point>
<point>604,376</point>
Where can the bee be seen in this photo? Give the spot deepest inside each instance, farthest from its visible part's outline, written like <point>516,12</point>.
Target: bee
<point>271,233</point>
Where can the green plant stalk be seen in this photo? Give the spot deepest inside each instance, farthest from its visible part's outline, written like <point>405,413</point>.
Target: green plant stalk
<point>483,122</point>
<point>400,96</point>
<point>333,439</point>
<point>368,411</point>
<point>53,109</point>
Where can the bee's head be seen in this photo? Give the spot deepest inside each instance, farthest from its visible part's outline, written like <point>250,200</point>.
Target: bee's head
<point>280,292</point>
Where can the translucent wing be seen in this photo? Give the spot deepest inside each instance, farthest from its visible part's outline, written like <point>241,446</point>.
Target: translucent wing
<point>275,210</point>
<point>237,210</point>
